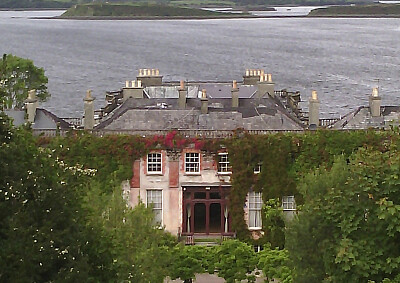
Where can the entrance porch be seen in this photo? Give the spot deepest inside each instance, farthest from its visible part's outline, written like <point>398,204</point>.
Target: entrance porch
<point>205,211</point>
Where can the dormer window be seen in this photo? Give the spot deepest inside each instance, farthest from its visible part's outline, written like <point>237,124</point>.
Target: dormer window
<point>224,166</point>
<point>154,163</point>
<point>192,162</point>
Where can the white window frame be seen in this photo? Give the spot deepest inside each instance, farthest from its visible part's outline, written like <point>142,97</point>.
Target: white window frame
<point>224,166</point>
<point>192,166</point>
<point>288,203</point>
<point>257,168</point>
<point>255,204</point>
<point>154,194</point>
<point>153,161</point>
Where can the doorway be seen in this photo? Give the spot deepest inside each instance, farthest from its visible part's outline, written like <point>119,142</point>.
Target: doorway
<point>206,210</point>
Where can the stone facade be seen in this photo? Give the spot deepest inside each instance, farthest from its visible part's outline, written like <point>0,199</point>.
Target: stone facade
<point>173,180</point>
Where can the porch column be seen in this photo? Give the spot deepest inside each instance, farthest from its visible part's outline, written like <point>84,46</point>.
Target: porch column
<point>226,214</point>
<point>207,217</point>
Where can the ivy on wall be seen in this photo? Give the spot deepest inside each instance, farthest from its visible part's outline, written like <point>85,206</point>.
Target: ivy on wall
<point>285,159</point>
<point>113,155</point>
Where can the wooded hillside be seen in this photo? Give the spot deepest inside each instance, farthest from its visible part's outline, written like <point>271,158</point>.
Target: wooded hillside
<point>15,4</point>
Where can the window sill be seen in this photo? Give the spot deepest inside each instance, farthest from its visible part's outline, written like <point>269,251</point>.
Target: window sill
<point>155,174</point>
<point>192,173</point>
<point>289,209</point>
<point>224,173</point>
<point>255,228</point>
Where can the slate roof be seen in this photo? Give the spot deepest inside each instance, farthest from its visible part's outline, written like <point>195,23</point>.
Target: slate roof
<point>214,90</point>
<point>44,120</point>
<point>361,118</point>
<point>159,110</point>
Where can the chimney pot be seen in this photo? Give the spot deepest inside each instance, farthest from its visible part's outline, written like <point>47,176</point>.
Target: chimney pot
<point>32,94</point>
<point>375,92</point>
<point>133,83</point>
<point>153,72</point>
<point>139,83</point>
<point>157,72</point>
<point>88,94</point>
<point>182,95</point>
<point>313,110</point>
<point>88,122</point>
<point>375,103</point>
<point>204,102</point>
<point>314,95</point>
<point>247,72</point>
<point>269,78</point>
<point>235,95</point>
<point>31,105</point>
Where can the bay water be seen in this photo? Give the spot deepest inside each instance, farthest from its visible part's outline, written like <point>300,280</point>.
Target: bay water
<point>341,58</point>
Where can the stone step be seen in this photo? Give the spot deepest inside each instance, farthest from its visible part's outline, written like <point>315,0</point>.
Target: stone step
<point>207,244</point>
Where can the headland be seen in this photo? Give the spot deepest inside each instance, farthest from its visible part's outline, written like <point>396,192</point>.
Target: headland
<point>359,11</point>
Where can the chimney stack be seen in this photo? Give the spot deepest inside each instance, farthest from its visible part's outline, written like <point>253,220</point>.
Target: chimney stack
<point>135,90</point>
<point>182,95</point>
<point>88,122</point>
<point>265,85</point>
<point>31,105</point>
<point>375,103</point>
<point>150,77</point>
<point>235,95</point>
<point>204,102</point>
<point>313,110</point>
<point>252,76</point>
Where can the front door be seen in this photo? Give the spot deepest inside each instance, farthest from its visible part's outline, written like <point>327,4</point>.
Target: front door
<point>205,210</point>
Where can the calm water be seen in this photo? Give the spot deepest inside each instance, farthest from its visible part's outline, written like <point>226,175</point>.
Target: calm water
<point>340,58</point>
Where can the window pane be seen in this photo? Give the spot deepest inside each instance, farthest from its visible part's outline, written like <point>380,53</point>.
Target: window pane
<point>199,195</point>
<point>223,163</point>
<point>154,199</point>
<point>255,209</point>
<point>288,203</point>
<point>215,195</point>
<point>154,162</point>
<point>257,168</point>
<point>192,162</point>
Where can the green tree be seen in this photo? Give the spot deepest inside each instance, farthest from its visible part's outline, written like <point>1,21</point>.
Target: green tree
<point>273,223</point>
<point>236,261</point>
<point>187,261</point>
<point>141,251</point>
<point>17,77</point>
<point>275,264</point>
<point>350,221</point>
<point>43,232</point>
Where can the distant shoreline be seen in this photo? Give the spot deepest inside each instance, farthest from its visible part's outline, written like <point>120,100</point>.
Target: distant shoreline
<point>355,16</point>
<point>138,18</point>
<point>32,9</point>
<point>112,18</point>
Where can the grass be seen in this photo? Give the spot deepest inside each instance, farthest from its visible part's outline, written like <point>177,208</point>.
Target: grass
<point>358,10</point>
<point>202,3</point>
<point>137,10</point>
